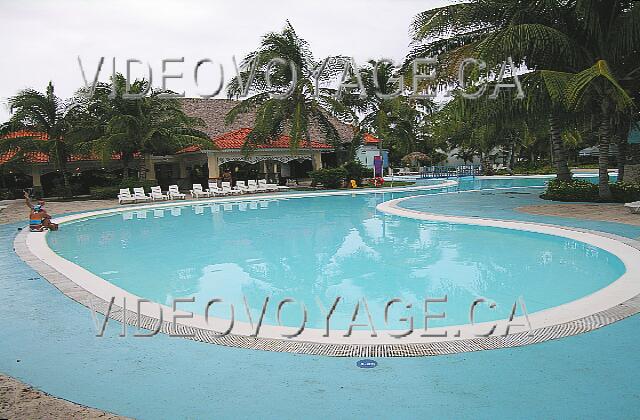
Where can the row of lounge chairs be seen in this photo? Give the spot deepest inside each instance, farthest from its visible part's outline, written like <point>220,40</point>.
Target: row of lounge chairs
<point>241,187</point>
<point>156,194</point>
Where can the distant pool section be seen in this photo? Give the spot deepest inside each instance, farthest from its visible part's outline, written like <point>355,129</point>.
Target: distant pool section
<point>363,249</point>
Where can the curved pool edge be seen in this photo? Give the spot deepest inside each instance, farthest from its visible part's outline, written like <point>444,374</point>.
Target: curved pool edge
<point>560,321</point>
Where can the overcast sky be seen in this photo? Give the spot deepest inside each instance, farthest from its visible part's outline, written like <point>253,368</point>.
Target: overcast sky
<point>42,39</point>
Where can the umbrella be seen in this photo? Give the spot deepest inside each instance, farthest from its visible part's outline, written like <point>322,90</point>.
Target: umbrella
<point>414,157</point>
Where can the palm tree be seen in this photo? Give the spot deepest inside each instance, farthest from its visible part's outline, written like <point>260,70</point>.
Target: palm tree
<point>606,75</point>
<point>493,30</point>
<point>151,124</point>
<point>288,102</point>
<point>386,112</point>
<point>587,48</point>
<point>483,124</point>
<point>36,114</point>
<point>466,154</point>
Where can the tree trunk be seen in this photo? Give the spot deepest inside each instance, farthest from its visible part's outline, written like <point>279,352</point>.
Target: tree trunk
<point>125,169</point>
<point>621,157</point>
<point>604,191</point>
<point>559,154</point>
<point>61,163</point>
<point>485,162</point>
<point>512,157</point>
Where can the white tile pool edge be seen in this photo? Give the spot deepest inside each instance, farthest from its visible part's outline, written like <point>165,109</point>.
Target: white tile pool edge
<point>621,290</point>
<point>86,288</point>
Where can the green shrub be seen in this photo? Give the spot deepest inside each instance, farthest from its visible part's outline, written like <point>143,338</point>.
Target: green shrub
<point>574,190</point>
<point>104,193</point>
<point>367,172</point>
<point>580,190</point>
<point>504,172</point>
<point>357,171</point>
<point>135,182</point>
<point>111,192</point>
<point>329,178</point>
<point>6,194</point>
<point>37,192</point>
<point>531,169</point>
<point>625,192</point>
<point>61,191</point>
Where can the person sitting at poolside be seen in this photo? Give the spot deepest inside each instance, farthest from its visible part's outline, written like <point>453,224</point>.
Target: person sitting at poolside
<point>39,219</point>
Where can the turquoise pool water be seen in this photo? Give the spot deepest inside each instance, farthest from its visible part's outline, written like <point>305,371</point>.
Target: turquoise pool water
<point>317,249</point>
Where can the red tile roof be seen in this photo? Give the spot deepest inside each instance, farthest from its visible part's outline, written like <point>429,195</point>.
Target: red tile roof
<point>26,133</point>
<point>369,139</point>
<point>236,139</point>
<point>231,140</point>
<point>42,157</point>
<point>31,157</point>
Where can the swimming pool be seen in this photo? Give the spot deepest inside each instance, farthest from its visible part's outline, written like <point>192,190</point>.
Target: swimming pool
<point>315,249</point>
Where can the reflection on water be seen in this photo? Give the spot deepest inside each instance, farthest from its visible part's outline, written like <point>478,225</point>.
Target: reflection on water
<point>316,249</point>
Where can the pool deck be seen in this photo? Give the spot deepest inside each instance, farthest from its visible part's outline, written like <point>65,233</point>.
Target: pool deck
<point>53,339</point>
<point>616,213</point>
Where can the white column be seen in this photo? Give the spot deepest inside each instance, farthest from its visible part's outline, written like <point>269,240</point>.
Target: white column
<point>183,169</point>
<point>214,168</point>
<point>150,167</point>
<point>316,160</point>
<point>35,176</point>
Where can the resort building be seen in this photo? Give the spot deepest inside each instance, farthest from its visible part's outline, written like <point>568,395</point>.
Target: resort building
<point>275,161</point>
<point>369,149</point>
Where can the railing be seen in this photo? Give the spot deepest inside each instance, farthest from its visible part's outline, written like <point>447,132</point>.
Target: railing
<point>450,171</point>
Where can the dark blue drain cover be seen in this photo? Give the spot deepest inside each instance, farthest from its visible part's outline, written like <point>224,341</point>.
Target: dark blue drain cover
<point>366,363</point>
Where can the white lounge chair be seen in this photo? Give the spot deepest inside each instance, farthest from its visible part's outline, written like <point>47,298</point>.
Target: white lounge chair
<point>633,207</point>
<point>156,194</point>
<point>226,187</point>
<point>140,195</point>
<point>198,192</point>
<point>215,190</point>
<point>269,187</point>
<point>125,196</point>
<point>242,186</point>
<point>174,193</point>
<point>253,184</point>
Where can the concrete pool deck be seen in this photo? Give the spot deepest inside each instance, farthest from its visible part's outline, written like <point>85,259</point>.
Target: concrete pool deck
<point>562,378</point>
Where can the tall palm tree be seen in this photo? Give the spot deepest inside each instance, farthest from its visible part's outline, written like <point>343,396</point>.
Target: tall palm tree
<point>606,76</point>
<point>387,112</point>
<point>594,91</point>
<point>588,49</point>
<point>288,103</point>
<point>484,124</point>
<point>150,124</point>
<point>492,30</point>
<point>35,114</point>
